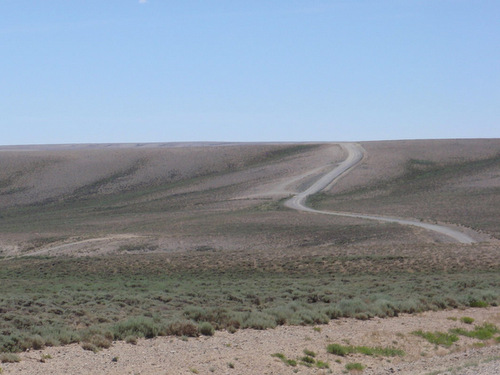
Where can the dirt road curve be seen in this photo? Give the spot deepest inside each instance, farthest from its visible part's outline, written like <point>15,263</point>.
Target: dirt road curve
<point>355,154</point>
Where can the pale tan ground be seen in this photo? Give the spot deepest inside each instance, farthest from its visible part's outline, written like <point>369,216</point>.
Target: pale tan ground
<point>250,351</point>
<point>386,158</point>
<point>39,175</point>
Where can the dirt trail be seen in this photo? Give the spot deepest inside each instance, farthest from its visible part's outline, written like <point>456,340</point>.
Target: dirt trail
<point>65,248</point>
<point>355,154</point>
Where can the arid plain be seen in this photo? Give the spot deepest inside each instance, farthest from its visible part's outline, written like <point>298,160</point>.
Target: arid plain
<point>125,258</point>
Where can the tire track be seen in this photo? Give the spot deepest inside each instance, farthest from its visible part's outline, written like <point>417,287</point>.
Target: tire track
<point>355,154</point>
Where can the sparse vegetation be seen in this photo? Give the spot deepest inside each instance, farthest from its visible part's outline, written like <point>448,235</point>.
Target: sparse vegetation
<point>308,360</point>
<point>45,357</point>
<point>478,303</point>
<point>438,338</point>
<point>309,353</point>
<point>90,347</point>
<point>138,247</point>
<point>124,297</point>
<point>284,359</point>
<point>322,365</point>
<point>9,358</point>
<point>356,366</point>
<point>338,349</point>
<point>467,320</point>
<point>485,331</point>
<point>206,329</point>
<point>343,350</point>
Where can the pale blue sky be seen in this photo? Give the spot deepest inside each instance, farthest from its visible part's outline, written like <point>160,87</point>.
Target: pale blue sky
<point>275,70</point>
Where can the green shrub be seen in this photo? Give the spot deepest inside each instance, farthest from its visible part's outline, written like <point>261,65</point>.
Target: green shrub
<point>9,358</point>
<point>482,332</point>
<point>467,320</point>
<point>282,314</point>
<point>308,360</point>
<point>279,355</point>
<point>351,307</point>
<point>89,346</point>
<point>309,317</point>
<point>356,366</point>
<point>478,303</point>
<point>485,331</point>
<point>378,351</point>
<point>291,362</point>
<point>137,326</point>
<point>219,317</point>
<point>363,316</point>
<point>333,312</point>
<point>438,338</point>
<point>310,353</point>
<point>183,328</point>
<point>37,342</point>
<point>338,349</point>
<point>68,337</point>
<point>131,340</point>
<point>342,350</point>
<point>258,320</point>
<point>206,329</point>
<point>100,341</point>
<point>384,308</point>
<point>321,364</point>
<point>284,359</point>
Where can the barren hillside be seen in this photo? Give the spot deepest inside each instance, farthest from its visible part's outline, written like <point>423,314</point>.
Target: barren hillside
<point>223,195</point>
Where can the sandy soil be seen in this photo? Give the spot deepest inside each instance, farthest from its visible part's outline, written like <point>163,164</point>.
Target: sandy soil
<point>249,352</point>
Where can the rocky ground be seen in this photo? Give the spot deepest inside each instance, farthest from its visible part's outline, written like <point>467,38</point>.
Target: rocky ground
<point>250,351</point>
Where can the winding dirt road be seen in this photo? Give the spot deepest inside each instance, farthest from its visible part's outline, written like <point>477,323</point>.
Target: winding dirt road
<point>355,154</point>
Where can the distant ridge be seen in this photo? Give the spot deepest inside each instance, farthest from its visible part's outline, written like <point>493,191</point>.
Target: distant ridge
<point>77,146</point>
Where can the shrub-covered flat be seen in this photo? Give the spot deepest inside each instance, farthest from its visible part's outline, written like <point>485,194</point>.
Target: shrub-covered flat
<point>58,300</point>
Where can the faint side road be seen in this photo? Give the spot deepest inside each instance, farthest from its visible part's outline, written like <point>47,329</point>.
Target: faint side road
<point>355,154</point>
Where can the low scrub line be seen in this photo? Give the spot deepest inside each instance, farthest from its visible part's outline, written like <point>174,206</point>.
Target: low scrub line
<point>343,350</point>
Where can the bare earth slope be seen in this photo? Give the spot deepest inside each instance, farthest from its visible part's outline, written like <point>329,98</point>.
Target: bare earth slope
<point>451,181</point>
<point>65,194</point>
